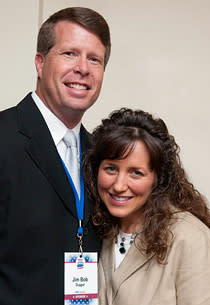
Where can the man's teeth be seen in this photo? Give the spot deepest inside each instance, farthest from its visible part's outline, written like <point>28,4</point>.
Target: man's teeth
<point>78,86</point>
<point>120,198</point>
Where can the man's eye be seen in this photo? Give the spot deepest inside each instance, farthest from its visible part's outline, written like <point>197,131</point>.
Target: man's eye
<point>94,59</point>
<point>69,53</point>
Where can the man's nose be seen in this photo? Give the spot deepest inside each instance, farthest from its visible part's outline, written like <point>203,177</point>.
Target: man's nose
<point>121,183</point>
<point>81,66</point>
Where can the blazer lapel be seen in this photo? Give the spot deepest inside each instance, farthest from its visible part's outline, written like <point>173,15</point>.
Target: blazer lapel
<point>107,259</point>
<point>130,264</point>
<point>42,151</point>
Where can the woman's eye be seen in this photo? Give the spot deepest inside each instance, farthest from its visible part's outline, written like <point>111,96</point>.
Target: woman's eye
<point>138,173</point>
<point>110,169</point>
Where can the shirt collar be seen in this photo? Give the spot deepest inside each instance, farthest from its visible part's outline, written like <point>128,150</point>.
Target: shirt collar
<point>56,126</point>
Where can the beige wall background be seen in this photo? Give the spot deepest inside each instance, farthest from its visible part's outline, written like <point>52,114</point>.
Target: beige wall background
<point>160,62</point>
<point>18,30</point>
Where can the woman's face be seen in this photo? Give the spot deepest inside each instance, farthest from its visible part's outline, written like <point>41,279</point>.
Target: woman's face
<point>124,186</point>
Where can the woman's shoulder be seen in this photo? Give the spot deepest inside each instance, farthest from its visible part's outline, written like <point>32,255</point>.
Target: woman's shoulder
<point>186,226</point>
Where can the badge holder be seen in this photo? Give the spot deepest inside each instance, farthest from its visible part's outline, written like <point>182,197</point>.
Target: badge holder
<point>80,268</point>
<point>80,277</point>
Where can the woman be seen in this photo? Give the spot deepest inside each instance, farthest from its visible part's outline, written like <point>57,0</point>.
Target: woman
<point>155,224</point>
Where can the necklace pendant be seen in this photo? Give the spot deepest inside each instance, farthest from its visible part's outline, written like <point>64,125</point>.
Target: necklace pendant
<point>122,250</point>
<point>124,241</point>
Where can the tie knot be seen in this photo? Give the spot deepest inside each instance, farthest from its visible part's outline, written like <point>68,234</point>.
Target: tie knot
<point>70,139</point>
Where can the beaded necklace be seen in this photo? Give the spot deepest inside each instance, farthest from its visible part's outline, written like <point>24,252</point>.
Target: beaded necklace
<point>124,241</point>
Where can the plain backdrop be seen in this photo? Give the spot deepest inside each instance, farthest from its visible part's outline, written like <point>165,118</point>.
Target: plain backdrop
<point>160,62</point>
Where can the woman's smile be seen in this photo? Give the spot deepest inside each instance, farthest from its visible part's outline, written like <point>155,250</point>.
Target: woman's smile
<point>125,184</point>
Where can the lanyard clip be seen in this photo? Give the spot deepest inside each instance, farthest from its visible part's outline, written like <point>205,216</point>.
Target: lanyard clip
<point>80,235</point>
<point>80,245</point>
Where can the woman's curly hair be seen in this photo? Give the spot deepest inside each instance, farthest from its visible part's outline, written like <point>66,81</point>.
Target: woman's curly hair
<point>172,192</point>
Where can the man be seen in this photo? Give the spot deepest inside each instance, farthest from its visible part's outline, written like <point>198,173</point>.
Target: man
<point>38,215</point>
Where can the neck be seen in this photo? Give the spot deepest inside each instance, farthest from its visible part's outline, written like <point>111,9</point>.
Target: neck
<point>69,118</point>
<point>71,121</point>
<point>131,227</point>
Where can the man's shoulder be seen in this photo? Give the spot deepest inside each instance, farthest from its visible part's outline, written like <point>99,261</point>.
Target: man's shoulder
<point>8,117</point>
<point>10,114</point>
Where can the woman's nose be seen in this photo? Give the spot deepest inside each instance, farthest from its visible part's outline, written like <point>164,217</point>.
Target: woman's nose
<point>121,183</point>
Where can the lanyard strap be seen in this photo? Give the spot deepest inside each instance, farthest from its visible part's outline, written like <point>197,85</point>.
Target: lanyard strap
<point>79,201</point>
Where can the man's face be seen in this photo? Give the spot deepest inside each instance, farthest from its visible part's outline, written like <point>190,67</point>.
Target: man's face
<point>71,74</point>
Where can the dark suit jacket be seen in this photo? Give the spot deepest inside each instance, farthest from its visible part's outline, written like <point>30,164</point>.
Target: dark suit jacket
<point>38,220</point>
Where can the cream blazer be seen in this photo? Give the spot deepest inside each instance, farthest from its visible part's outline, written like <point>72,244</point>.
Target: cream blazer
<point>183,280</point>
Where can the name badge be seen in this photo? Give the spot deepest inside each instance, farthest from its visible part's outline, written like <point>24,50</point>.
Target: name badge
<point>80,278</point>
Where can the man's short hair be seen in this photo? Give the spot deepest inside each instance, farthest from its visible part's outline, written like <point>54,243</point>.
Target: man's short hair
<point>85,17</point>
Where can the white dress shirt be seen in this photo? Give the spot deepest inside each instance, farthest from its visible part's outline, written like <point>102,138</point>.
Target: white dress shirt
<point>56,127</point>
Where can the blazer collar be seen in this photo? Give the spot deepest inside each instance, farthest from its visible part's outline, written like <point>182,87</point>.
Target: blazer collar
<point>133,261</point>
<point>42,151</point>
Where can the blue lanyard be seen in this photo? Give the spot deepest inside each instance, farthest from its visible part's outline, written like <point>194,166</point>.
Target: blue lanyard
<point>79,201</point>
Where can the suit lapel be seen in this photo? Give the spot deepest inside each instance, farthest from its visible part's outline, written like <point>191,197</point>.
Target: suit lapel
<point>42,151</point>
<point>133,261</point>
<point>85,145</point>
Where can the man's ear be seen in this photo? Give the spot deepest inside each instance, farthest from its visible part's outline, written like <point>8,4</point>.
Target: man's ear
<point>39,61</point>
